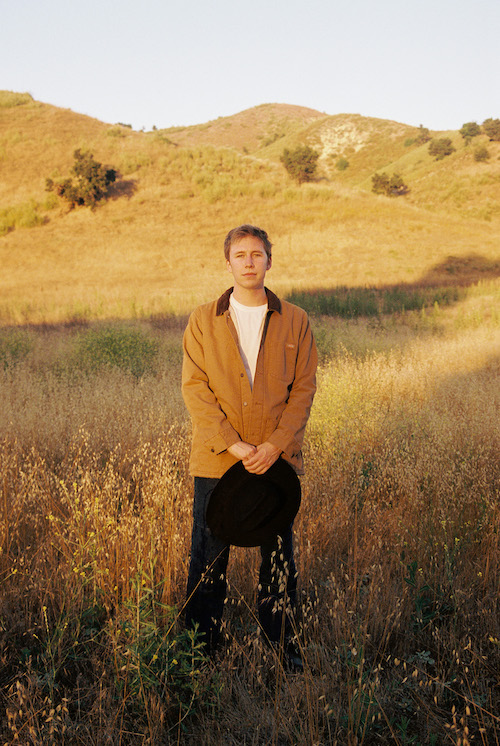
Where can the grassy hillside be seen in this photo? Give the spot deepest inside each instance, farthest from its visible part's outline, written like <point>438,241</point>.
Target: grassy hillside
<point>155,246</point>
<point>397,539</point>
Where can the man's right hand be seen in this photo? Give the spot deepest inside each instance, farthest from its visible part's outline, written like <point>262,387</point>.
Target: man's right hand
<point>241,450</point>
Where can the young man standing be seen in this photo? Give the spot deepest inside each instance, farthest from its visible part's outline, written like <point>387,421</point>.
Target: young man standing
<point>248,381</point>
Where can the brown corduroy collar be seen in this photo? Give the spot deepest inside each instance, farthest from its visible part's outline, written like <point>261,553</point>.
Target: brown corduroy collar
<point>273,302</point>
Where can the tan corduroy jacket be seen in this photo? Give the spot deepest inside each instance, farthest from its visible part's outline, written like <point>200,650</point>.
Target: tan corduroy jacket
<point>223,406</point>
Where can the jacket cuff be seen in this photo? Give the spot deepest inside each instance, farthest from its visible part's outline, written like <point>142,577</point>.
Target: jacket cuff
<point>222,441</point>
<point>290,448</point>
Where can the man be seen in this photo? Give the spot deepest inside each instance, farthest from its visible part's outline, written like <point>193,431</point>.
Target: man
<point>248,381</point>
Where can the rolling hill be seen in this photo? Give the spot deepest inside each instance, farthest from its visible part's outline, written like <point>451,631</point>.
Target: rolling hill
<point>155,246</point>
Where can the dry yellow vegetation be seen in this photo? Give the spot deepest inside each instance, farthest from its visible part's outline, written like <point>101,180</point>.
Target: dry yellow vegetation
<point>155,248</point>
<point>398,534</point>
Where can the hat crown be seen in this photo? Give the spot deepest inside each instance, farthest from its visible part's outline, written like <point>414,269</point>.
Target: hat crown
<point>249,509</point>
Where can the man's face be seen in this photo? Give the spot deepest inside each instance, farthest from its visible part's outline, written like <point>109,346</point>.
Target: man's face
<point>248,263</point>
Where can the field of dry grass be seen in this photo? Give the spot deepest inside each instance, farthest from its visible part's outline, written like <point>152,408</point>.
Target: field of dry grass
<point>397,543</point>
<point>397,539</point>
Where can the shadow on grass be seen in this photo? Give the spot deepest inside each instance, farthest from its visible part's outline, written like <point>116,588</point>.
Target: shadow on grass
<point>445,284</point>
<point>122,188</point>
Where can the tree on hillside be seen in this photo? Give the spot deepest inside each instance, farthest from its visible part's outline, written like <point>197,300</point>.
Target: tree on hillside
<point>393,186</point>
<point>470,130</point>
<point>91,184</point>
<point>423,135</point>
<point>300,163</point>
<point>441,147</point>
<point>491,127</point>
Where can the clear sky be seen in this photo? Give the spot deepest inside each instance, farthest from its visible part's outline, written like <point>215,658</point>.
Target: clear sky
<point>166,62</point>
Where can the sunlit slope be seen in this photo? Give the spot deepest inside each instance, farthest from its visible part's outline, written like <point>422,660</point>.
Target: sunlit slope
<point>156,245</point>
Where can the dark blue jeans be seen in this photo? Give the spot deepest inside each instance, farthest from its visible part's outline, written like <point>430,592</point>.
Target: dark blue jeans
<point>206,587</point>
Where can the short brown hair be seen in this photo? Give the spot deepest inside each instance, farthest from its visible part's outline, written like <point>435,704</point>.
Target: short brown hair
<point>246,230</point>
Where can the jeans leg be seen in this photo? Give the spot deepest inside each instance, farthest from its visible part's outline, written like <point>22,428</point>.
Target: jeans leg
<point>206,587</point>
<point>277,587</point>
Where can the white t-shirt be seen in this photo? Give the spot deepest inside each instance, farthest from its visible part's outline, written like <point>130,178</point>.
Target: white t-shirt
<point>249,323</point>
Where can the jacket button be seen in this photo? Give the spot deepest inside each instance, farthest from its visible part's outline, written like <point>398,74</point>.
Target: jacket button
<point>245,404</point>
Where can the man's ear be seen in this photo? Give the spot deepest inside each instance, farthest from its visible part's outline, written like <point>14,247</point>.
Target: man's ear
<point>269,263</point>
<point>228,265</point>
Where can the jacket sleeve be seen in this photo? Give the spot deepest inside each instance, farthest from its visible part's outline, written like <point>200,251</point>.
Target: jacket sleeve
<point>206,413</point>
<point>289,434</point>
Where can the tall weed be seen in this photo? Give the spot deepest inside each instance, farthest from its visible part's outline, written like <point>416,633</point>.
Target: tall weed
<point>129,350</point>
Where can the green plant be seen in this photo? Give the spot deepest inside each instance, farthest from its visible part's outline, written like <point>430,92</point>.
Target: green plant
<point>301,163</point>
<point>423,135</point>
<point>116,132</point>
<point>402,727</point>
<point>441,147</point>
<point>20,216</point>
<point>342,164</point>
<point>430,603</point>
<point>128,349</point>
<point>491,127</point>
<point>91,185</point>
<point>15,346</point>
<point>470,130</point>
<point>481,154</point>
<point>153,655</point>
<point>393,186</point>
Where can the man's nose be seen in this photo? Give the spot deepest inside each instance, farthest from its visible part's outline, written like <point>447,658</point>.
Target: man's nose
<point>249,261</point>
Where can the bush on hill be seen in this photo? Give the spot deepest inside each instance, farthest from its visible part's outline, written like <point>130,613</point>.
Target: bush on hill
<point>441,147</point>
<point>423,135</point>
<point>91,185</point>
<point>491,127</point>
<point>10,98</point>
<point>300,163</point>
<point>470,130</point>
<point>393,186</point>
<point>481,154</point>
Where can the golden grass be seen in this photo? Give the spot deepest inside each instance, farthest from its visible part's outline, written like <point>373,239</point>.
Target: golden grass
<point>397,537</point>
<point>156,246</point>
<point>396,542</point>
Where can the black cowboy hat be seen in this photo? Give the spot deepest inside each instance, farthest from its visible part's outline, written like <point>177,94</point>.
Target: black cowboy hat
<point>249,510</point>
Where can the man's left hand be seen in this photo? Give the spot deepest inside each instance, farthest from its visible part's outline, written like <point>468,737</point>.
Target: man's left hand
<point>264,457</point>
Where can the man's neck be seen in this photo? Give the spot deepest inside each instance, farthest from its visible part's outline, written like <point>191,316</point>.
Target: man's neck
<point>255,297</point>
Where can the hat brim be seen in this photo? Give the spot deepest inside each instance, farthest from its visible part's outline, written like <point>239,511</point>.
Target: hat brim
<point>250,510</point>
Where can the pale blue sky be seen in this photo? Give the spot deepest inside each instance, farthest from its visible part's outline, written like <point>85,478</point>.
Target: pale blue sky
<point>165,63</point>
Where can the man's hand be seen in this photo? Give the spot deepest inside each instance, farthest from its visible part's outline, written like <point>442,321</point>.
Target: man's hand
<point>262,458</point>
<point>241,450</point>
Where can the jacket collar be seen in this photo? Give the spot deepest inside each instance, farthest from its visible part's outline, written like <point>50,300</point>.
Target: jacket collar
<point>273,302</point>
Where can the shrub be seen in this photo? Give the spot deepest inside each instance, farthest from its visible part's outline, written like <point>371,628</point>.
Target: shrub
<point>10,98</point>
<point>391,187</point>
<point>91,185</point>
<point>470,130</point>
<point>441,147</point>
<point>423,135</point>
<point>128,349</point>
<point>491,127</point>
<point>342,164</point>
<point>481,153</point>
<point>20,216</point>
<point>115,132</point>
<point>14,347</point>
<point>300,163</point>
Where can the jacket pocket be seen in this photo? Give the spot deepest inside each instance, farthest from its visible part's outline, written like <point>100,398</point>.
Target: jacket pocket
<point>283,362</point>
